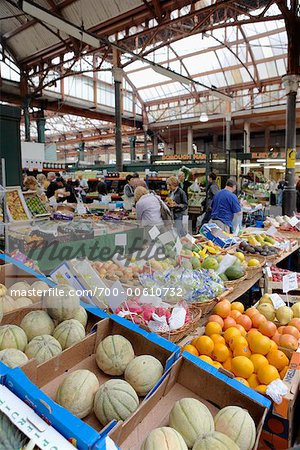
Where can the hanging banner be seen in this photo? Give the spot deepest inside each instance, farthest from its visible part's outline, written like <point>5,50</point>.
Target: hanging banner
<point>291,158</point>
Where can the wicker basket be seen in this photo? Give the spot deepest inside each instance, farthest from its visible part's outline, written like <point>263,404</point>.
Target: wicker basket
<point>234,283</point>
<point>188,328</point>
<point>252,271</point>
<point>207,307</point>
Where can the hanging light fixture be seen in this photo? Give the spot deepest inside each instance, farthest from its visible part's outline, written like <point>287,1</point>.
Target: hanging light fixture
<point>203,117</point>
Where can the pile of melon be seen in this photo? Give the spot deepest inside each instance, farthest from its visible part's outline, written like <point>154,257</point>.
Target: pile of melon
<point>43,334</point>
<point>191,425</point>
<point>10,301</point>
<point>247,345</point>
<point>117,398</point>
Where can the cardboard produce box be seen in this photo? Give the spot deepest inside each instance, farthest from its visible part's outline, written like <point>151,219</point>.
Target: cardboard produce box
<point>282,423</point>
<point>193,378</point>
<point>47,377</point>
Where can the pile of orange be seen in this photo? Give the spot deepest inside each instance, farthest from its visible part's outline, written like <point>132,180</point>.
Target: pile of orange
<point>245,344</point>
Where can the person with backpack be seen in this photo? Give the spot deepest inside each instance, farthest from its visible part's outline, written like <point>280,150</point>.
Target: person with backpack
<point>178,204</point>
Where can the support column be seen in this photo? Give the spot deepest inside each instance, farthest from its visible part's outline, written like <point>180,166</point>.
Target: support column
<point>228,143</point>
<point>146,156</point>
<point>267,139</point>
<point>81,151</point>
<point>132,141</point>
<point>190,150</point>
<point>41,124</point>
<point>247,148</point>
<point>291,84</point>
<point>155,145</point>
<point>118,76</point>
<point>26,103</point>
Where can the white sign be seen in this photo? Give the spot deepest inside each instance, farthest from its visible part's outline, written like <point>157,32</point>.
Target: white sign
<point>268,272</point>
<point>271,231</point>
<point>178,246</point>
<point>289,282</point>
<point>293,221</point>
<point>154,232</point>
<point>29,423</point>
<point>117,295</point>
<point>167,237</point>
<point>121,240</point>
<point>276,300</point>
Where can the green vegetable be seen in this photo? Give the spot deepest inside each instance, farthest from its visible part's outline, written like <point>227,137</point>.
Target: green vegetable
<point>10,436</point>
<point>234,272</point>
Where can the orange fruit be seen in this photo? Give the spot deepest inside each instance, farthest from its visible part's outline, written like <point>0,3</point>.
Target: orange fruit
<point>241,329</point>
<point>245,321</point>
<point>251,333</point>
<point>274,346</point>
<point>281,329</point>
<point>290,329</point>
<point>234,314</point>
<point>204,345</point>
<point>288,341</point>
<point>206,359</point>
<point>222,308</point>
<point>217,364</point>
<point>283,372</point>
<point>193,341</point>
<point>228,322</point>
<point>276,337</point>
<point>267,328</point>
<point>227,364</point>
<point>241,350</point>
<point>217,339</point>
<point>237,340</point>
<point>277,359</point>
<point>230,333</point>
<point>258,361</point>
<point>250,312</point>
<point>267,374</point>
<point>191,349</point>
<point>237,306</point>
<point>295,322</point>
<point>242,380</point>
<point>260,344</point>
<point>261,388</point>
<point>220,352</point>
<point>213,328</point>
<point>258,319</point>
<point>253,381</point>
<point>216,318</point>
<point>242,366</point>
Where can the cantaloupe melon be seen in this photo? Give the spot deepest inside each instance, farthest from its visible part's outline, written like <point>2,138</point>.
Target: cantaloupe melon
<point>13,357</point>
<point>12,336</point>
<point>77,391</point>
<point>37,290</point>
<point>8,304</point>
<point>113,354</point>
<point>164,438</point>
<point>237,424</point>
<point>37,323</point>
<point>69,332</point>
<point>115,399</point>
<point>22,302</point>
<point>18,289</point>
<point>3,290</point>
<point>81,316</point>
<point>215,441</point>
<point>191,419</point>
<point>61,302</point>
<point>43,348</point>
<point>143,372</point>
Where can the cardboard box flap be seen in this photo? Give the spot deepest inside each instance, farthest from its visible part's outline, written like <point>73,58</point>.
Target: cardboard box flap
<point>62,420</point>
<point>23,271</point>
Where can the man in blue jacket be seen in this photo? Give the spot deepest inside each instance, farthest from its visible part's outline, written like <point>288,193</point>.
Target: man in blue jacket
<point>225,205</point>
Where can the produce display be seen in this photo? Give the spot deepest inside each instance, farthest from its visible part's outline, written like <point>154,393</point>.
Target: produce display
<point>247,343</point>
<point>278,274</point>
<point>192,425</point>
<point>15,206</point>
<point>111,271</point>
<point>280,222</point>
<point>35,206</point>
<point>259,244</point>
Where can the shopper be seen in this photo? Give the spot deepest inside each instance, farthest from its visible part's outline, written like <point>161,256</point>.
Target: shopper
<point>57,183</point>
<point>225,206</point>
<point>102,187</point>
<point>211,190</point>
<point>30,183</point>
<point>281,185</point>
<point>41,183</point>
<point>148,207</point>
<point>183,183</point>
<point>83,184</point>
<point>51,177</point>
<point>179,197</point>
<point>128,196</point>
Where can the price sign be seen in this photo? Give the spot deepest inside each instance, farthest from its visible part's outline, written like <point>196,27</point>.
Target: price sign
<point>191,238</point>
<point>268,272</point>
<point>293,221</point>
<point>154,232</point>
<point>277,301</point>
<point>117,295</point>
<point>167,237</point>
<point>271,231</point>
<point>289,282</point>
<point>121,240</point>
<point>178,246</point>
